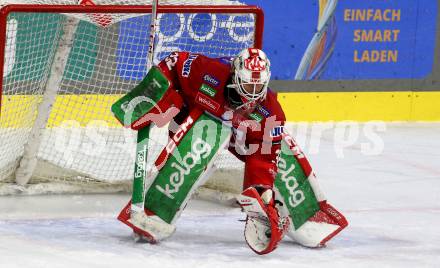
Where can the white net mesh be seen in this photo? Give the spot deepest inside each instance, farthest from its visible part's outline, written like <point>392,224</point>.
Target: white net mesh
<point>81,141</point>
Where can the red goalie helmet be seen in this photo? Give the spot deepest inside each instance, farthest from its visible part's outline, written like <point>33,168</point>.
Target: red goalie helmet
<point>251,76</point>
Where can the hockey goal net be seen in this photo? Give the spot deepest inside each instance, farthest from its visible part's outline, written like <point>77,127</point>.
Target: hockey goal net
<point>65,64</point>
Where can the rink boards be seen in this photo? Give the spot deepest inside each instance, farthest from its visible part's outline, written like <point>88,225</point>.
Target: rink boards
<point>84,109</point>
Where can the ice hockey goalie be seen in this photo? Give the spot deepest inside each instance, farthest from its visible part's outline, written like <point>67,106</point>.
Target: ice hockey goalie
<point>211,104</point>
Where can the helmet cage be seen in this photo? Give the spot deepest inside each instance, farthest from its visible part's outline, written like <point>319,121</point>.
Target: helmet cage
<point>252,95</point>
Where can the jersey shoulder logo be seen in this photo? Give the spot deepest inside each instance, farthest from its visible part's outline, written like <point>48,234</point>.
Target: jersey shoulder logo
<point>186,70</point>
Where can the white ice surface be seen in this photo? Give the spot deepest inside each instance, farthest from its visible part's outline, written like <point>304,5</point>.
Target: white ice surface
<point>391,200</point>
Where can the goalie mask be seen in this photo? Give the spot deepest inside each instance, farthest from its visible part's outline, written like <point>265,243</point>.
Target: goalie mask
<point>251,77</point>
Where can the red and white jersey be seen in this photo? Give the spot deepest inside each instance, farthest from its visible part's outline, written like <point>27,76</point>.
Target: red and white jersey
<point>202,81</point>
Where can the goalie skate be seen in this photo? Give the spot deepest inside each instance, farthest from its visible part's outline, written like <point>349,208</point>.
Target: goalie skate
<point>146,226</point>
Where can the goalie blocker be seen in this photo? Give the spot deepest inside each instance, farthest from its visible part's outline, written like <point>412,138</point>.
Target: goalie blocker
<point>161,192</point>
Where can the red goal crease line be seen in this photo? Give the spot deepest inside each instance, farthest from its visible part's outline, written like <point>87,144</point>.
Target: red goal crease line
<point>215,9</point>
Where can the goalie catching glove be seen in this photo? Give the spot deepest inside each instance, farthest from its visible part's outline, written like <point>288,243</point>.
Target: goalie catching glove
<point>264,226</point>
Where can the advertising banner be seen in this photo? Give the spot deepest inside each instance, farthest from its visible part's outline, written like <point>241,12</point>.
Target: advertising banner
<point>389,39</point>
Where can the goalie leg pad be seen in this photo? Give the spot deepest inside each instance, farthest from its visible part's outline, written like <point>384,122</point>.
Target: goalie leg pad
<point>176,176</point>
<point>313,220</point>
<point>264,227</point>
<point>185,170</point>
<point>320,228</point>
